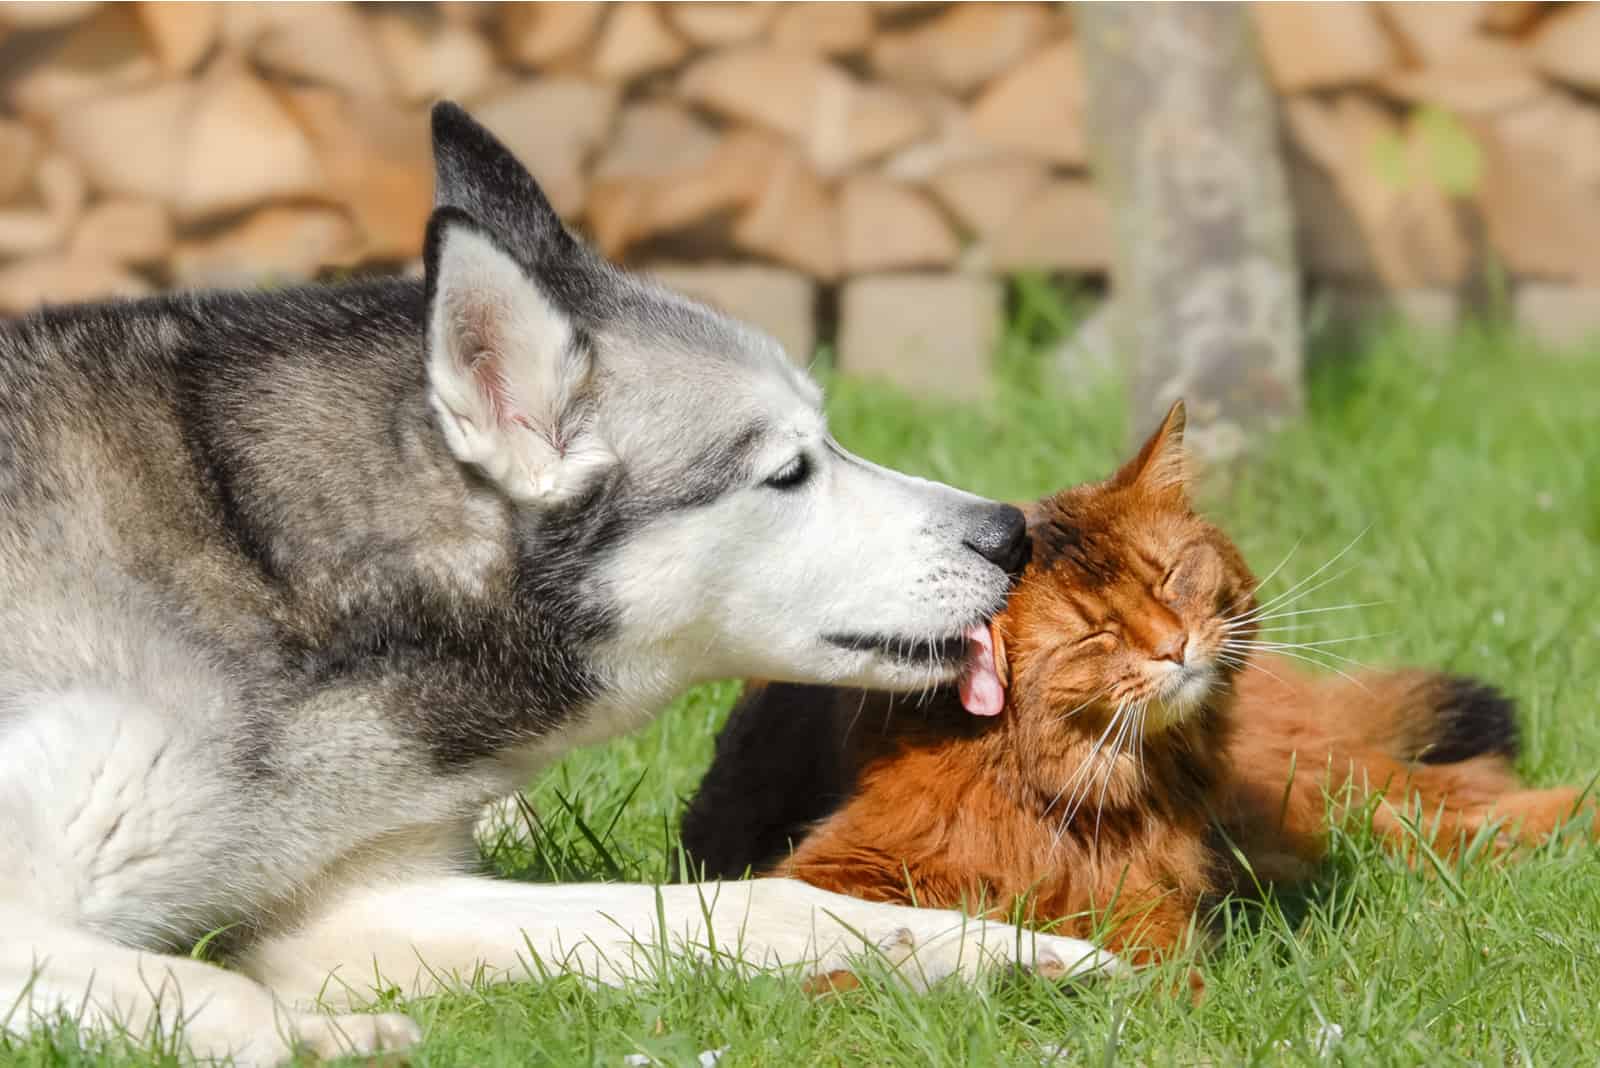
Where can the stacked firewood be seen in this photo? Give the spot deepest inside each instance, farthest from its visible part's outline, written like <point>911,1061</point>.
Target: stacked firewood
<point>783,159</point>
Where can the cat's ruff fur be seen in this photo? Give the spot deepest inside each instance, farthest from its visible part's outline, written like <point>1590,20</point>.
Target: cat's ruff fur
<point>896,800</point>
<point>292,583</point>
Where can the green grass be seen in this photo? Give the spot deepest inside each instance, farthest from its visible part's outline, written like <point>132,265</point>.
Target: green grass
<point>1472,464</point>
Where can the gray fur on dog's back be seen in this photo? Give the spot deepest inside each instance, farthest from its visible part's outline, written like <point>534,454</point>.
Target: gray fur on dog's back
<point>268,462</point>
<point>204,536</point>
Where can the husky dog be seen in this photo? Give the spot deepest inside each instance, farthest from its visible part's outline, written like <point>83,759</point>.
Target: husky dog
<point>293,583</point>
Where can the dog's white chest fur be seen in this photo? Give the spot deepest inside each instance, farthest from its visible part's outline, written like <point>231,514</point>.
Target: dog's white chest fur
<point>126,827</point>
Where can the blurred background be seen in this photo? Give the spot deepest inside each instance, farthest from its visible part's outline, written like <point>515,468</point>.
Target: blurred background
<point>873,179</point>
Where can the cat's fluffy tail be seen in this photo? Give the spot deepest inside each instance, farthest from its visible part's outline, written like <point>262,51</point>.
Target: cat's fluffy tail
<point>1416,748</point>
<point>1430,718</point>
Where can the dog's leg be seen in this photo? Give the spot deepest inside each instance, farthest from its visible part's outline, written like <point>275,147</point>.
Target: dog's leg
<point>47,970</point>
<point>424,935</point>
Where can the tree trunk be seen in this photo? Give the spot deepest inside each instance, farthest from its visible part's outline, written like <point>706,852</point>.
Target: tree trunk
<point>1205,286</point>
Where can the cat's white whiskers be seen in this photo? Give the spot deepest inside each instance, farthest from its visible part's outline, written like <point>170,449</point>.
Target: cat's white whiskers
<point>1327,666</point>
<point>1084,768</point>
<point>1110,769</point>
<point>1270,609</point>
<point>1267,643</point>
<point>1138,740</point>
<point>1243,660</point>
<point>1267,633</point>
<point>1085,704</point>
<point>1313,611</point>
<point>1085,773</point>
<point>1254,665</point>
<point>1085,776</point>
<point>1314,648</point>
<point>1279,599</point>
<point>1262,582</point>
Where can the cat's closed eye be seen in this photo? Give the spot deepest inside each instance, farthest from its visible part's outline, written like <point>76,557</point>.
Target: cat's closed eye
<point>1198,565</point>
<point>1100,641</point>
<point>1167,589</point>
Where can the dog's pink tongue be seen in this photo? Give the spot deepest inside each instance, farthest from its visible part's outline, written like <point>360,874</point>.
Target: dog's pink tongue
<point>981,691</point>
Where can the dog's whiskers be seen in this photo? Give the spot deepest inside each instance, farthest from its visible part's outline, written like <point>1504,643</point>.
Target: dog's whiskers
<point>861,708</point>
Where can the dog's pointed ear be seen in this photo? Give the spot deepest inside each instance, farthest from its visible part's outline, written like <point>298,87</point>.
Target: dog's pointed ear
<point>1161,465</point>
<point>476,174</point>
<point>509,374</point>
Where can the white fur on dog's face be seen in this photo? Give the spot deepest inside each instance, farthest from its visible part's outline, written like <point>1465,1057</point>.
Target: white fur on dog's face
<point>771,580</point>
<point>758,582</point>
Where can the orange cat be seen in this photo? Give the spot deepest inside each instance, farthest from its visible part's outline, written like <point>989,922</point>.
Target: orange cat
<point>1139,731</point>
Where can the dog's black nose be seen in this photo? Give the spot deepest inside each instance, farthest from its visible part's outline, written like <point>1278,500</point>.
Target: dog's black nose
<point>1001,537</point>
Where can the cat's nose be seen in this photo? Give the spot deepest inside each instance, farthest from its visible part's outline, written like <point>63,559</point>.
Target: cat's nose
<point>1000,537</point>
<point>1174,648</point>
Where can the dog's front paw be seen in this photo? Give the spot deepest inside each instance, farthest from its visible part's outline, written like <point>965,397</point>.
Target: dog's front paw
<point>329,1035</point>
<point>968,947</point>
<point>954,945</point>
<point>785,922</point>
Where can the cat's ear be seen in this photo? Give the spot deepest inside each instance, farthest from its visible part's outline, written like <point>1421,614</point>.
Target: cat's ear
<point>510,377</point>
<point>1002,666</point>
<point>1161,465</point>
